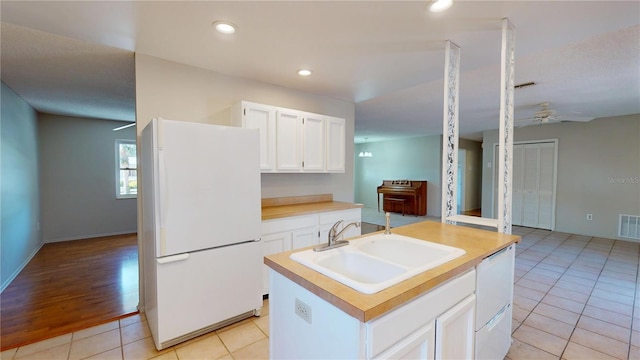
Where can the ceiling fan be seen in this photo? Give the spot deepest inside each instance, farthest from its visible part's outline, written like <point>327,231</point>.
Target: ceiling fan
<point>548,116</point>
<point>124,126</point>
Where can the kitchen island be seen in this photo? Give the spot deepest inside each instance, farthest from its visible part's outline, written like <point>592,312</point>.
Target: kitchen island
<point>312,315</point>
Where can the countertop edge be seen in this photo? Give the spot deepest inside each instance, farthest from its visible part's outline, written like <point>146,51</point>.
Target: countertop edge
<point>368,307</point>
<point>283,211</point>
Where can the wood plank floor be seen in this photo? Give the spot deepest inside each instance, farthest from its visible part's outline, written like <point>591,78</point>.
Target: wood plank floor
<point>70,286</point>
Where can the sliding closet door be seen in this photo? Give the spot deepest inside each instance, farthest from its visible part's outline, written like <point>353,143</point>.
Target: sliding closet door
<point>530,204</point>
<point>533,185</point>
<point>546,185</point>
<point>517,185</point>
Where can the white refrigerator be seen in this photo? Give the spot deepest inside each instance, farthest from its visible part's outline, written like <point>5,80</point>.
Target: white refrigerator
<point>201,216</point>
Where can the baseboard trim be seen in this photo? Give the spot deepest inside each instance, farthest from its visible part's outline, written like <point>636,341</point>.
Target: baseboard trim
<point>21,267</point>
<point>90,236</point>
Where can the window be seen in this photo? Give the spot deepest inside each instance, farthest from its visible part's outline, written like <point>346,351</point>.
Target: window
<point>126,169</point>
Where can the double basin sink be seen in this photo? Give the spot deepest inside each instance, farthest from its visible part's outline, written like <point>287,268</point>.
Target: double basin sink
<point>373,263</point>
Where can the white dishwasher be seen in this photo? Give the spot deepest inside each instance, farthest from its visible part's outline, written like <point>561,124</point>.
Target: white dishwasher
<point>494,291</point>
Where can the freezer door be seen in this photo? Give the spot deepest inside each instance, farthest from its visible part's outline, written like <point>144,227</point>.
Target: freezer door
<point>209,186</point>
<point>200,289</point>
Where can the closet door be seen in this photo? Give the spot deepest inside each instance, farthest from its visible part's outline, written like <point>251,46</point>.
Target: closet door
<point>546,175</point>
<point>533,185</point>
<point>531,164</point>
<point>517,184</point>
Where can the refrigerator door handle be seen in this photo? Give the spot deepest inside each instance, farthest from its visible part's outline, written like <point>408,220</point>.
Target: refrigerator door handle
<point>174,258</point>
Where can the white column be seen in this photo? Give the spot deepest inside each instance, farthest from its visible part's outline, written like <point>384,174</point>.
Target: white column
<point>450,130</point>
<point>505,160</point>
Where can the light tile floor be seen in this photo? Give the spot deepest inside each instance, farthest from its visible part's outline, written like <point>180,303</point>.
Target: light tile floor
<point>575,297</point>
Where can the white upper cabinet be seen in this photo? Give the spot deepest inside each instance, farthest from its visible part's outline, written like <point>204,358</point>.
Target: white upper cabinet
<point>256,116</point>
<point>294,141</point>
<point>335,144</point>
<point>313,152</point>
<point>288,140</point>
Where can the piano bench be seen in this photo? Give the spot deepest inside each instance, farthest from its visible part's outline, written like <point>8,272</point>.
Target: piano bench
<point>397,200</point>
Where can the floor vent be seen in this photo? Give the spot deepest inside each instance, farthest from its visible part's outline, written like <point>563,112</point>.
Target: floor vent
<point>629,226</point>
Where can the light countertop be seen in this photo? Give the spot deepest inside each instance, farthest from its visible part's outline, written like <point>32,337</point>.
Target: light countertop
<point>281,211</point>
<point>478,244</point>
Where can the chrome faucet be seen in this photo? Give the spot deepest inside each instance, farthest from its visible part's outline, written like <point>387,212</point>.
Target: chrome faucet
<point>387,225</point>
<point>333,237</point>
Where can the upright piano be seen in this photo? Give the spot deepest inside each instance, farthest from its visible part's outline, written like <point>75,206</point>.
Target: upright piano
<point>403,196</point>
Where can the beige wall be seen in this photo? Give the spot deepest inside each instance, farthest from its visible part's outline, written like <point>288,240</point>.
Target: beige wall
<point>598,172</point>
<point>180,92</point>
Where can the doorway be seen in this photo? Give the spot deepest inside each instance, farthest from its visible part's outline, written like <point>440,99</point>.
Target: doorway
<point>462,166</point>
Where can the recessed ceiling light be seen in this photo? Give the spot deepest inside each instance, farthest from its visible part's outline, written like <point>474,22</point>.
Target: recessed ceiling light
<point>304,72</point>
<point>224,27</point>
<point>440,5</point>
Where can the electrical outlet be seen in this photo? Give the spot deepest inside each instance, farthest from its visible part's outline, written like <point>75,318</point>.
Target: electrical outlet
<point>589,217</point>
<point>303,310</point>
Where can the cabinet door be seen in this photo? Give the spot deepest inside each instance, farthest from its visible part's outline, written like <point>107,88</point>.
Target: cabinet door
<point>313,143</point>
<point>304,237</point>
<point>419,345</point>
<point>288,140</point>
<point>455,331</point>
<point>273,244</point>
<point>336,153</point>
<point>256,116</point>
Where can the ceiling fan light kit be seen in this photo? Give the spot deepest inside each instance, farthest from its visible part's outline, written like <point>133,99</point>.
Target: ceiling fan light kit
<point>548,116</point>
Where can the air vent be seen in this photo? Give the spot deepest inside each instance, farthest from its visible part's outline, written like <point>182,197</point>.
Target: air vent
<point>629,227</point>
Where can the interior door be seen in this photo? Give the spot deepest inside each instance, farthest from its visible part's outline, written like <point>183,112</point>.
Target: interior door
<point>533,184</point>
<point>518,178</point>
<point>546,186</point>
<point>530,181</point>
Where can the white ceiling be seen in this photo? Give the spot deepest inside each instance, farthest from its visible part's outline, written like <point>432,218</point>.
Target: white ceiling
<point>387,57</point>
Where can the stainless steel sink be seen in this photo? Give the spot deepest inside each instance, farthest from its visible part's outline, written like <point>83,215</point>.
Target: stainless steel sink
<point>373,263</point>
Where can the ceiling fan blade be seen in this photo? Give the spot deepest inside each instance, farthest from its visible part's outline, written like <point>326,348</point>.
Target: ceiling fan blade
<point>124,127</point>
<point>561,118</point>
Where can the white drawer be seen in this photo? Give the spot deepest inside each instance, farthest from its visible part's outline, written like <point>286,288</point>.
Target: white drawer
<point>494,284</point>
<point>494,339</point>
<point>288,224</point>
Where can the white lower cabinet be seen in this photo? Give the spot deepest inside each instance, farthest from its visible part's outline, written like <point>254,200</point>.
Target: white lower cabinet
<point>304,237</point>
<point>295,232</point>
<point>273,244</point>
<point>455,331</point>
<point>427,327</point>
<point>419,345</point>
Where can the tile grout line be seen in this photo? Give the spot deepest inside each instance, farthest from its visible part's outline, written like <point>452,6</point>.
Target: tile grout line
<point>563,273</point>
<point>608,256</point>
<point>634,309</point>
<point>585,304</point>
